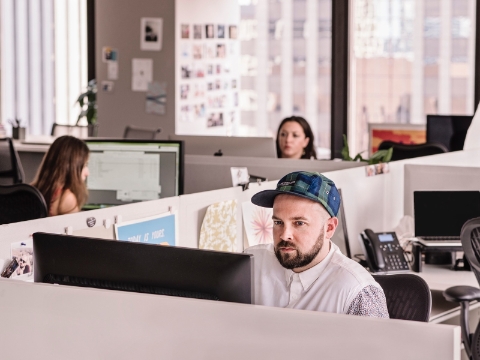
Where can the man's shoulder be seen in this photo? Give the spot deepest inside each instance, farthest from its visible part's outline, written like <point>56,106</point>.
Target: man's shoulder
<point>350,269</point>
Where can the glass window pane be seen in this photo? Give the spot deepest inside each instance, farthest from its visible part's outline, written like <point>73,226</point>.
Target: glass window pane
<point>409,58</point>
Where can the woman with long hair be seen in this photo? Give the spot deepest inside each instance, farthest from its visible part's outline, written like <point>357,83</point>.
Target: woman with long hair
<point>295,139</point>
<point>62,174</point>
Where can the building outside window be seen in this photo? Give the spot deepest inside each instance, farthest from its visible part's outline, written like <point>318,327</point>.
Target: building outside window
<point>409,58</point>
<point>286,66</point>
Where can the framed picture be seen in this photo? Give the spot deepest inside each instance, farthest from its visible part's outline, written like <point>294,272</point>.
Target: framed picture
<point>151,34</point>
<point>402,133</point>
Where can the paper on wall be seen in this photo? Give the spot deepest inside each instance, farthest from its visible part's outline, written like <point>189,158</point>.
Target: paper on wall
<point>219,227</point>
<point>142,74</point>
<point>258,223</point>
<point>112,70</point>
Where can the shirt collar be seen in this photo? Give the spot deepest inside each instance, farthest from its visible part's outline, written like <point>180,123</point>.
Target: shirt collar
<point>308,277</point>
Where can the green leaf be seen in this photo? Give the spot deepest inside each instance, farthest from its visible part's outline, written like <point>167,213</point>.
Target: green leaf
<point>345,151</point>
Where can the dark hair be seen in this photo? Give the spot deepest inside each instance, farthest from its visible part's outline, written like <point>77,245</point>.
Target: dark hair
<point>61,168</point>
<point>309,150</point>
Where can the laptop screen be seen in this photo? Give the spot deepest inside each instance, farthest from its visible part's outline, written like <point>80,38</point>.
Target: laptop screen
<point>443,213</point>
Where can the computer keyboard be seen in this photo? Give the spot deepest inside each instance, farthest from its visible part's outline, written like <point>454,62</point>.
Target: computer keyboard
<point>441,238</point>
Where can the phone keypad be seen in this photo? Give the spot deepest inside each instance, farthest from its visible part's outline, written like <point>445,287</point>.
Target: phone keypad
<point>394,262</point>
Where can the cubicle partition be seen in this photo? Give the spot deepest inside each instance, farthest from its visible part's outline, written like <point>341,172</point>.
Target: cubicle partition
<point>369,202</point>
<point>205,173</point>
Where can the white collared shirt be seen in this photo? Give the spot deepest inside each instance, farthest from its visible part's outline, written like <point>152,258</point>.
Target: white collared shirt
<point>337,284</point>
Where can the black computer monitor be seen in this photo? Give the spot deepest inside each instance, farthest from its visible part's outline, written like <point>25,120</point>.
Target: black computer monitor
<point>448,130</point>
<point>126,171</point>
<point>144,268</point>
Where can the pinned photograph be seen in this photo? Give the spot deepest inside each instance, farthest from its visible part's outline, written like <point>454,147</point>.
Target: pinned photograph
<point>210,51</point>
<point>221,31</point>
<point>210,69</point>
<point>107,86</point>
<point>156,98</point>
<point>199,71</point>
<point>185,31</point>
<point>200,110</point>
<point>232,32</point>
<point>197,52</point>
<point>210,86</point>
<point>22,252</point>
<point>199,90</point>
<point>109,54</point>
<point>221,51</point>
<point>184,90</point>
<point>234,83</point>
<point>151,34</point>
<point>186,71</point>
<point>209,31</point>
<point>197,31</point>
<point>215,119</point>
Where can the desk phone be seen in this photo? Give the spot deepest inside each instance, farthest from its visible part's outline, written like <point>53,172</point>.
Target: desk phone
<point>383,252</point>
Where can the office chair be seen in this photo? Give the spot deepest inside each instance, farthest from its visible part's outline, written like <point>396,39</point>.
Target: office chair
<point>80,132</point>
<point>404,151</point>
<point>470,237</point>
<point>21,202</point>
<point>11,170</point>
<point>133,132</point>
<point>408,296</point>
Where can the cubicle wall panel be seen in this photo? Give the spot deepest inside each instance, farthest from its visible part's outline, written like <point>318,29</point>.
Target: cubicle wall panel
<point>205,173</point>
<point>431,177</point>
<point>120,325</point>
<point>193,208</point>
<point>78,223</point>
<point>362,200</point>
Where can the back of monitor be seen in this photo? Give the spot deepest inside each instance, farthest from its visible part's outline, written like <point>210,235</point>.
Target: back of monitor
<point>228,145</point>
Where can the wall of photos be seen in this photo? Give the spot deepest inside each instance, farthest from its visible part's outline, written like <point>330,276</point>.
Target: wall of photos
<point>207,64</point>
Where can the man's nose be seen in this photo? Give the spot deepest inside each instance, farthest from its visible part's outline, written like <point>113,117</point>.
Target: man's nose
<point>286,233</point>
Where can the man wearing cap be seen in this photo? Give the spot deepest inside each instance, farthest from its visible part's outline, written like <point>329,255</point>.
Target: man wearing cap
<point>303,269</point>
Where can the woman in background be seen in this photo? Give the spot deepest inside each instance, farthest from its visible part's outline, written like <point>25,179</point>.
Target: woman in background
<point>62,174</point>
<point>295,139</point>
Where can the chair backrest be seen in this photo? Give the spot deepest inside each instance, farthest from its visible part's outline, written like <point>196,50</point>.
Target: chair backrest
<point>11,170</point>
<point>133,132</point>
<point>21,202</point>
<point>470,237</point>
<point>408,296</point>
<point>403,151</point>
<point>80,132</point>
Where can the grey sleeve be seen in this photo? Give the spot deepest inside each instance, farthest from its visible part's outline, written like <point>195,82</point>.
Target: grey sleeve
<point>370,301</point>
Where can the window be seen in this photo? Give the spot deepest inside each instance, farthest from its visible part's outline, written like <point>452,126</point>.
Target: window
<point>286,66</point>
<point>409,58</point>
<point>44,62</point>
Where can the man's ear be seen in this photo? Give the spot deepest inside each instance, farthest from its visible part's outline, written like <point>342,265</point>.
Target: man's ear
<point>332,224</point>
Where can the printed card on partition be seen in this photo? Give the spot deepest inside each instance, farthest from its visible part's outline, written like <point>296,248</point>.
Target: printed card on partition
<point>160,230</point>
<point>258,223</point>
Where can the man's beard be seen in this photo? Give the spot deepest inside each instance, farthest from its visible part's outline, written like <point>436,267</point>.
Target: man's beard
<point>297,259</point>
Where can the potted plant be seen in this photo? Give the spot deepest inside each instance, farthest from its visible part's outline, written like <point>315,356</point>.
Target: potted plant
<point>380,156</point>
<point>88,106</point>
<point>18,131</point>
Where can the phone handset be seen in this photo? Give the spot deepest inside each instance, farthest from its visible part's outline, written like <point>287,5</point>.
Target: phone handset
<point>373,248</point>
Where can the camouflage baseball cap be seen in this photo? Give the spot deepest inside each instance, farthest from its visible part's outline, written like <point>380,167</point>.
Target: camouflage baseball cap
<point>308,185</point>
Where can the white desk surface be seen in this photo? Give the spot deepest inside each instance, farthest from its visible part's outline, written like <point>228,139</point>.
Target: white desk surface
<point>441,277</point>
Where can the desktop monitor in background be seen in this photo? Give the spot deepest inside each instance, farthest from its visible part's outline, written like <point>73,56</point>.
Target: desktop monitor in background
<point>340,237</point>
<point>228,145</point>
<point>126,171</point>
<point>144,268</point>
<point>448,130</point>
